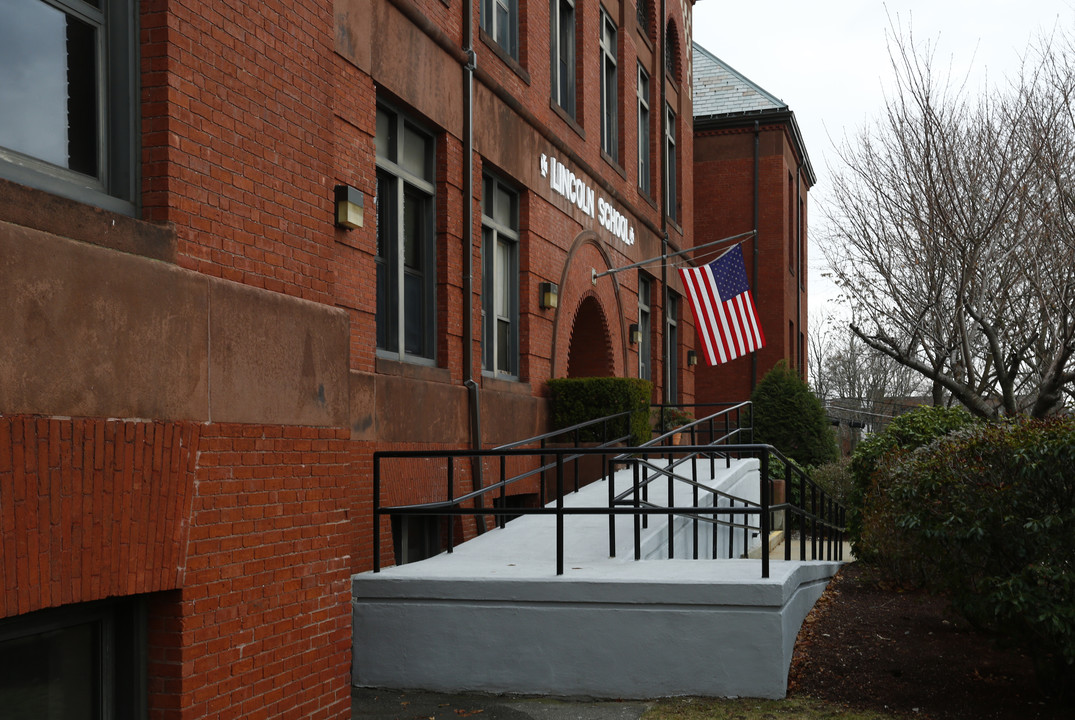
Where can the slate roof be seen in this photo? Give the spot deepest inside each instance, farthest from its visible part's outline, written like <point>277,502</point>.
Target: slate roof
<point>721,90</point>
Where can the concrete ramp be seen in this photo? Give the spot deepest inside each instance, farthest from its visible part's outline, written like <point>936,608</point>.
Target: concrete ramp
<point>493,616</point>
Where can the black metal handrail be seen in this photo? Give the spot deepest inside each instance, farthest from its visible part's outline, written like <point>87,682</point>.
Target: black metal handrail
<point>823,517</point>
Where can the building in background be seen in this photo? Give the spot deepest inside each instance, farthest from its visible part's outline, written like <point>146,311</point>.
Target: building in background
<point>751,169</point>
<point>245,245</point>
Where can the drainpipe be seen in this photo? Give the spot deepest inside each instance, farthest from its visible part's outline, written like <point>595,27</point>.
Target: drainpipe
<point>799,270</point>
<point>662,36</point>
<point>754,284</point>
<point>468,243</point>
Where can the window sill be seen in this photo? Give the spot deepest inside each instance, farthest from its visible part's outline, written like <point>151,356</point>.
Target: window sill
<point>675,225</point>
<point>506,58</point>
<point>572,123</point>
<point>42,210</point>
<point>413,370</point>
<point>646,197</point>
<point>611,162</point>
<point>497,384</point>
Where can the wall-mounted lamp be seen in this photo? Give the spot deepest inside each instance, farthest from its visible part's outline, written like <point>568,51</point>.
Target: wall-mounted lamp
<point>635,333</point>
<point>349,207</point>
<point>692,358</point>
<point>550,295</point>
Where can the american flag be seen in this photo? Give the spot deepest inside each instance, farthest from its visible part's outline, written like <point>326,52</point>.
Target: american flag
<point>723,308</point>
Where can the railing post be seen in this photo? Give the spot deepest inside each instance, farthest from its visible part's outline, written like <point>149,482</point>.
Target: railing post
<point>802,517</point>
<point>503,489</point>
<point>578,459</point>
<point>376,513</point>
<point>543,497</point>
<point>451,496</point>
<point>610,474</point>
<point>764,529</point>
<point>559,513</point>
<point>637,517</point>
<point>671,499</point>
<point>813,522</point>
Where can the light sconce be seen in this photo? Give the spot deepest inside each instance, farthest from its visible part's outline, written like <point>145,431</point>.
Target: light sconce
<point>349,207</point>
<point>692,358</point>
<point>635,333</point>
<point>550,295</point>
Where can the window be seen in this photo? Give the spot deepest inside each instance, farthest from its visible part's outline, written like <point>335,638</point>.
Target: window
<point>406,254</point>
<point>84,661</point>
<point>67,100</point>
<point>500,278</point>
<point>671,50</point>
<point>644,291</point>
<point>642,12</point>
<point>500,18</point>
<point>671,390</point>
<point>609,108</point>
<point>562,38</point>
<point>670,163</point>
<point>643,131</point>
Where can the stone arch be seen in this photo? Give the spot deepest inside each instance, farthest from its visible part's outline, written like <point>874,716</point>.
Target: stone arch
<point>587,255</point>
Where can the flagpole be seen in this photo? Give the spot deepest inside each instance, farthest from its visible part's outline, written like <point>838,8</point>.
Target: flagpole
<point>740,237</point>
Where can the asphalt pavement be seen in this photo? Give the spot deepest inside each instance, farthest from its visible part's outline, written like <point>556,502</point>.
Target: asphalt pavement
<point>381,704</point>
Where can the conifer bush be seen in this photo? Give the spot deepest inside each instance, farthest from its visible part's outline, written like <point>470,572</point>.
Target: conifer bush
<point>986,515</point>
<point>788,416</point>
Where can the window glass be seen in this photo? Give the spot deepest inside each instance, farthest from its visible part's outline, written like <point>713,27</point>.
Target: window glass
<point>406,251</point>
<point>643,131</point>
<point>48,97</point>
<point>500,278</point>
<point>563,54</point>
<point>52,674</point>
<point>67,120</point>
<point>609,103</point>
<point>416,156</point>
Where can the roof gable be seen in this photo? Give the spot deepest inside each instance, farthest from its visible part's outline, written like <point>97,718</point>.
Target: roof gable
<point>721,90</point>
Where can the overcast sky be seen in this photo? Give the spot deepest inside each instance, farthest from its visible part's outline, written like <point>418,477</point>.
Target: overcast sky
<point>828,60</point>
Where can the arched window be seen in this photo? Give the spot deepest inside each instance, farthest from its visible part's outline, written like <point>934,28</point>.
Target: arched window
<point>671,50</point>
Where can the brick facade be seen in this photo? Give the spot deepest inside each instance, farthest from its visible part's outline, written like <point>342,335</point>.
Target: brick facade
<point>190,396</point>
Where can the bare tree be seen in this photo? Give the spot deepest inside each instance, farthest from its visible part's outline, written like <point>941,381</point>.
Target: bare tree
<point>855,381</point>
<point>952,233</point>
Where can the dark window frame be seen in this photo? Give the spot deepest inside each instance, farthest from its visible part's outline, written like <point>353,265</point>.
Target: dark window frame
<point>406,329</point>
<point>497,231</point>
<point>645,159</point>
<point>608,41</point>
<point>563,38</point>
<point>115,183</point>
<point>503,27</point>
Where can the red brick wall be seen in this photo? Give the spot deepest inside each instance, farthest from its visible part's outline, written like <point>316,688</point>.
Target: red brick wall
<point>91,508</point>
<point>261,626</point>
<point>724,172</point>
<point>237,138</point>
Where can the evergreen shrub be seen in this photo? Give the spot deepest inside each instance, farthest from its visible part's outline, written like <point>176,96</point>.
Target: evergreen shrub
<point>986,515</point>
<point>867,529</point>
<point>786,415</point>
<point>576,400</point>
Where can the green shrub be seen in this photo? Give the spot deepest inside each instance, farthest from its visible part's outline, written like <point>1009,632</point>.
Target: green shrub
<point>835,479</point>
<point>576,400</point>
<point>788,416</point>
<point>986,515</point>
<point>865,500</point>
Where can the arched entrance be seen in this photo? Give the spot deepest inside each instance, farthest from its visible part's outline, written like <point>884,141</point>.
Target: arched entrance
<point>590,351</point>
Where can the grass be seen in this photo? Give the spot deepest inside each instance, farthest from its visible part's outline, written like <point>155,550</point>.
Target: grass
<point>752,709</point>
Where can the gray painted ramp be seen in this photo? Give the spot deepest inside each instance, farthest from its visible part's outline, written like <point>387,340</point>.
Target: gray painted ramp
<point>494,617</point>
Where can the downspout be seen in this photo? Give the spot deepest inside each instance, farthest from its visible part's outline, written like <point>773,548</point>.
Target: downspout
<point>469,66</point>
<point>801,356</point>
<point>662,35</point>
<point>754,283</point>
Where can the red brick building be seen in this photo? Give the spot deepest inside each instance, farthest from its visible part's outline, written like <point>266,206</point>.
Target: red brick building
<point>751,169</point>
<point>198,360</point>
